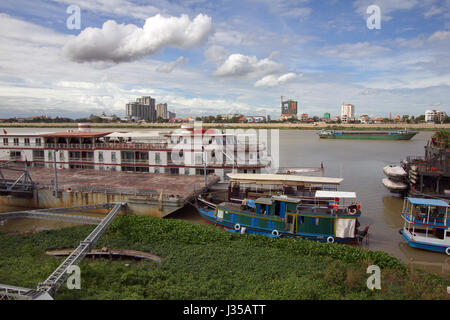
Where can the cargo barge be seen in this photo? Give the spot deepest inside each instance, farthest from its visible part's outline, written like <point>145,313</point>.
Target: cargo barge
<point>367,135</point>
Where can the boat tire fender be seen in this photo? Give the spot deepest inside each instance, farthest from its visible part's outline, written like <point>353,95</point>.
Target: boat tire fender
<point>447,251</point>
<point>237,227</point>
<point>351,211</point>
<point>330,239</point>
<point>276,233</point>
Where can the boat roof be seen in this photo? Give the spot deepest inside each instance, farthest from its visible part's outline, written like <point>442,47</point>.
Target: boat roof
<point>75,134</point>
<point>281,179</point>
<point>135,134</point>
<point>428,202</point>
<point>335,194</point>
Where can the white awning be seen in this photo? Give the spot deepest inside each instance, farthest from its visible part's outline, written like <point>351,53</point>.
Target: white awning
<point>335,194</point>
<point>281,179</point>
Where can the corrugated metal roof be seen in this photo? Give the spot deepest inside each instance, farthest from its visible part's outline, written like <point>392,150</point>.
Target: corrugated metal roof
<point>428,202</point>
<point>75,134</point>
<point>282,178</point>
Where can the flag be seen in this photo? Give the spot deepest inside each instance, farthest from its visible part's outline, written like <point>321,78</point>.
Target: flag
<point>4,131</point>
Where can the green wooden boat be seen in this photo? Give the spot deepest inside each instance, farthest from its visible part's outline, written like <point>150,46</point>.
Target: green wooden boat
<point>367,135</point>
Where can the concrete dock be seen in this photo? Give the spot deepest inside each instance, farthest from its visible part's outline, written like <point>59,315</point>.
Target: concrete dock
<point>146,193</point>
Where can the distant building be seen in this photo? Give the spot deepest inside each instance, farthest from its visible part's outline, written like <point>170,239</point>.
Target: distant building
<point>288,109</point>
<point>434,115</point>
<point>347,112</point>
<point>172,115</point>
<point>304,117</point>
<point>397,118</point>
<point>230,116</point>
<point>364,118</point>
<point>161,111</point>
<point>142,109</point>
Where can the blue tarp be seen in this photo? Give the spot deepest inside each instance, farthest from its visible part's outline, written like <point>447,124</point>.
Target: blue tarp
<point>428,202</point>
<point>250,203</point>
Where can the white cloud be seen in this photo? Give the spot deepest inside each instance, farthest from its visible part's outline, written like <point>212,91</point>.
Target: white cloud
<point>239,65</point>
<point>116,7</point>
<point>273,80</point>
<point>216,54</point>
<point>440,35</point>
<point>354,50</point>
<point>119,43</point>
<point>433,11</point>
<point>169,67</point>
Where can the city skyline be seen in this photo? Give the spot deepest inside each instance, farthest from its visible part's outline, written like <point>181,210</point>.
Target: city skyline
<point>208,57</point>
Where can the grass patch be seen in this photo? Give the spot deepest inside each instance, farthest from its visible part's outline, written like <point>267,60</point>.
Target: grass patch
<point>205,262</point>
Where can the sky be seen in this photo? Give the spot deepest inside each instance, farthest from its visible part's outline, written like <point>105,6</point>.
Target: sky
<point>224,56</point>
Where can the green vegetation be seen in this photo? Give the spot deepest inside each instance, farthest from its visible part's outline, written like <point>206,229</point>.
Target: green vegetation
<point>205,262</point>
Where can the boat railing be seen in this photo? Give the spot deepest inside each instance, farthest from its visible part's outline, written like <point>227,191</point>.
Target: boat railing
<point>422,218</point>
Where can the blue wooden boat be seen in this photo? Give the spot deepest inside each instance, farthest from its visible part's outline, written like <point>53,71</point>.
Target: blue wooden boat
<point>330,216</point>
<point>427,224</point>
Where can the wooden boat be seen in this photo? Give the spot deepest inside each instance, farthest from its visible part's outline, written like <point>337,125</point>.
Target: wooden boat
<point>367,135</point>
<point>427,224</point>
<point>329,216</point>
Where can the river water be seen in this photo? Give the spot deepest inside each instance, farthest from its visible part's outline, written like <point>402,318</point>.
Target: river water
<point>359,162</point>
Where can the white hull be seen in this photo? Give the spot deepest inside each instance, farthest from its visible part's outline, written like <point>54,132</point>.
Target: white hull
<point>394,186</point>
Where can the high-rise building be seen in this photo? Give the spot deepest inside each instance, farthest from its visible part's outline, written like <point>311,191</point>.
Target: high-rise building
<point>142,109</point>
<point>289,109</point>
<point>347,112</point>
<point>161,110</point>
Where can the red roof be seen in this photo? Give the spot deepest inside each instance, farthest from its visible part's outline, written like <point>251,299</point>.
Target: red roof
<point>75,134</point>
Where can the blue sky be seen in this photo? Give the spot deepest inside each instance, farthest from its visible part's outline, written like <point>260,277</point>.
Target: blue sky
<point>211,57</point>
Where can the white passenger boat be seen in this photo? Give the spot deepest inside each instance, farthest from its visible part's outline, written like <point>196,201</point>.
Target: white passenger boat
<point>427,224</point>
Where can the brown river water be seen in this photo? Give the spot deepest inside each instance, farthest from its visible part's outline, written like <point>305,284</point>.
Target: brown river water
<point>359,162</point>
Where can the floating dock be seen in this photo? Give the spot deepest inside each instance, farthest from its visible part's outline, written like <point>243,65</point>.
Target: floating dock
<point>152,194</point>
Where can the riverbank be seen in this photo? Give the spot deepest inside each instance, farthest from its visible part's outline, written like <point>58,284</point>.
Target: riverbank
<point>280,126</point>
<point>205,262</point>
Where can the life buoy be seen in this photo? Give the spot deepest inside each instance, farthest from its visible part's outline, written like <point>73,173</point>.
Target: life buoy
<point>447,251</point>
<point>330,239</point>
<point>237,227</point>
<point>351,211</point>
<point>276,233</point>
<point>69,189</point>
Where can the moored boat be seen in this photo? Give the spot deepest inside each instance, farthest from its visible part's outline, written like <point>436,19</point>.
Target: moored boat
<point>367,135</point>
<point>427,224</point>
<point>329,216</point>
<point>395,173</point>
<point>394,186</point>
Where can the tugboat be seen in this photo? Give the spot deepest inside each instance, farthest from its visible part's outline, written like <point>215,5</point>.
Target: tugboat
<point>327,216</point>
<point>427,224</point>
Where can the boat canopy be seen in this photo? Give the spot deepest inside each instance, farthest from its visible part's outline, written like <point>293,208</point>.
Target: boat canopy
<point>281,179</point>
<point>335,194</point>
<point>428,202</point>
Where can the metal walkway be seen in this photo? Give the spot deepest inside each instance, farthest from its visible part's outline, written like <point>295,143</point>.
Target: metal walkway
<point>23,185</point>
<point>52,214</point>
<point>48,288</point>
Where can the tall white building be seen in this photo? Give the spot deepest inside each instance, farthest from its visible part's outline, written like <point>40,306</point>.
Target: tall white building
<point>347,112</point>
<point>432,115</point>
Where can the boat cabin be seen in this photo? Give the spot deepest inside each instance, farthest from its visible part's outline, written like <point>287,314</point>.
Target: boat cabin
<point>254,186</point>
